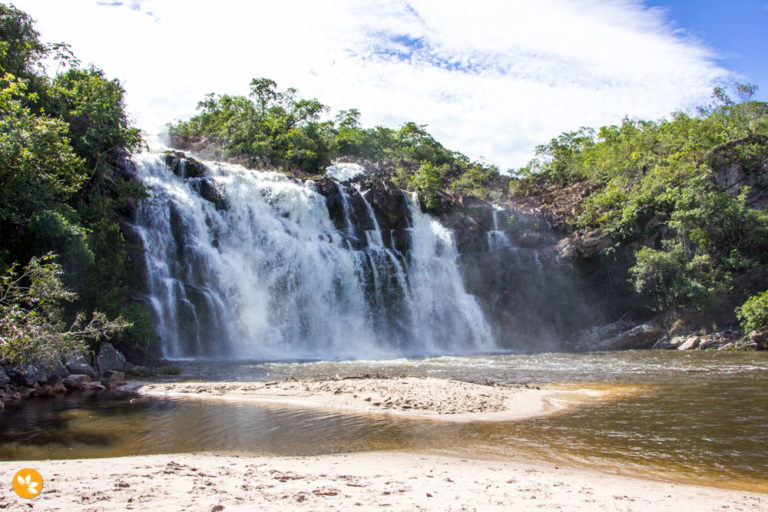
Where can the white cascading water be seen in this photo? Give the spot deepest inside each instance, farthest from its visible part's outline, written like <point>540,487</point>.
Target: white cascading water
<point>497,239</point>
<point>268,275</point>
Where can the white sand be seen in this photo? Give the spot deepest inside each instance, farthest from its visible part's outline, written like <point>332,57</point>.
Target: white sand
<point>365,481</point>
<point>433,398</point>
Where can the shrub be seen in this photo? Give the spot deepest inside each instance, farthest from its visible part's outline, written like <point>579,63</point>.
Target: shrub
<point>32,324</point>
<point>427,182</point>
<point>753,314</point>
<point>170,370</point>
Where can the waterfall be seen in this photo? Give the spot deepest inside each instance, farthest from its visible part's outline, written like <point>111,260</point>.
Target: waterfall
<point>497,239</point>
<point>249,265</point>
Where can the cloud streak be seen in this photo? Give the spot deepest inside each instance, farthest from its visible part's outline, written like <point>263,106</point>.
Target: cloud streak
<point>492,79</point>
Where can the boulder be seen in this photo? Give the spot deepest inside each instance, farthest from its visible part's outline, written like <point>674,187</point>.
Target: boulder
<point>637,337</point>
<point>56,384</point>
<point>11,397</point>
<point>79,366</point>
<point>591,339</point>
<point>59,369</point>
<point>113,375</point>
<point>31,375</point>
<point>76,381</point>
<point>112,384</point>
<point>59,388</point>
<point>93,386</point>
<point>209,191</point>
<point>759,339</point>
<point>642,336</point>
<point>42,391</point>
<point>109,358</point>
<point>183,166</point>
<point>689,343</point>
<point>584,245</point>
<point>389,204</point>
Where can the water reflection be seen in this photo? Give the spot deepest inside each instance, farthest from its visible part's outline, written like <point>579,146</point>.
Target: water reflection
<point>695,415</point>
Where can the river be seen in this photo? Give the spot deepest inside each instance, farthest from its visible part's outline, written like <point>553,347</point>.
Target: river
<point>686,416</point>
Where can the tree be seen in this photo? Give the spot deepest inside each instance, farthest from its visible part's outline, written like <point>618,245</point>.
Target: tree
<point>94,108</point>
<point>264,91</point>
<point>39,172</point>
<point>20,46</point>
<point>427,182</point>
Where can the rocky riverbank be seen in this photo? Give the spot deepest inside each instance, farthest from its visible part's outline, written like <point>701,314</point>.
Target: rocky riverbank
<point>627,335</point>
<point>108,369</point>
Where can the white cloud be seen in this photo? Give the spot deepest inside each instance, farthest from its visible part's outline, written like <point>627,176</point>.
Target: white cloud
<point>492,78</point>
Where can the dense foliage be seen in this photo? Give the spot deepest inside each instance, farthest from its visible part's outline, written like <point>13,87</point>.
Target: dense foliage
<point>33,327</point>
<point>652,187</point>
<point>60,188</point>
<point>753,314</point>
<point>278,129</point>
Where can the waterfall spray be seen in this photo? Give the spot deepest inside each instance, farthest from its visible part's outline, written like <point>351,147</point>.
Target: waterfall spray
<point>263,273</point>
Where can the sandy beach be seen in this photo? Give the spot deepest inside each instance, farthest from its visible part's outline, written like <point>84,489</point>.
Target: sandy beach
<point>362,481</point>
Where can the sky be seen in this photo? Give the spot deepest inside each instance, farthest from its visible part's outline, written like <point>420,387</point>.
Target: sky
<point>490,78</point>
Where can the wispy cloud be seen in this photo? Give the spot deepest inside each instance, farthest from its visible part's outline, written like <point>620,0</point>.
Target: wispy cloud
<point>136,5</point>
<point>492,79</point>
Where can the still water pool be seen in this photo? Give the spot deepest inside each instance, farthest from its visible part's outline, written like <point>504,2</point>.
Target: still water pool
<point>691,416</point>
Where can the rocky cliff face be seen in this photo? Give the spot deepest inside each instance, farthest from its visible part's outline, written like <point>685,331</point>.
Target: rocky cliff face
<point>541,285</point>
<point>509,259</point>
<point>741,167</point>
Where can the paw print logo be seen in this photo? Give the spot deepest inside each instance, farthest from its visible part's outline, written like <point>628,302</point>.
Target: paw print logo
<point>27,483</point>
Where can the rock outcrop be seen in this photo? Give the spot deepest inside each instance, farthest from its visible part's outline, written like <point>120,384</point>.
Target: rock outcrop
<point>46,379</point>
<point>110,359</point>
<point>742,166</point>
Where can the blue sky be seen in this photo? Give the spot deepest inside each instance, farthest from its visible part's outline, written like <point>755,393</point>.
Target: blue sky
<point>736,29</point>
<point>490,78</point>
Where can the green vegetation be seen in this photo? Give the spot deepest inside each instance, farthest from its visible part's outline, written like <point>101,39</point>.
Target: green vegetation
<point>278,129</point>
<point>753,314</point>
<point>32,316</point>
<point>170,370</point>
<point>652,186</point>
<point>61,138</point>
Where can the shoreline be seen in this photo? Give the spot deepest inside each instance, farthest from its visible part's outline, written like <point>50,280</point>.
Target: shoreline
<point>371,480</point>
<point>408,397</point>
<point>356,481</point>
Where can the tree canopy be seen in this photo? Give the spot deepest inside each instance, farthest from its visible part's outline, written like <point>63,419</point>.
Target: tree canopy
<point>274,128</point>
<point>652,188</point>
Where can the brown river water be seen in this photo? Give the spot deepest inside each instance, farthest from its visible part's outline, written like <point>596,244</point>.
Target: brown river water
<point>687,416</point>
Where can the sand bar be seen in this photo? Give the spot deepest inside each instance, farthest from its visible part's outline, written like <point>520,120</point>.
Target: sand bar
<point>432,398</point>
